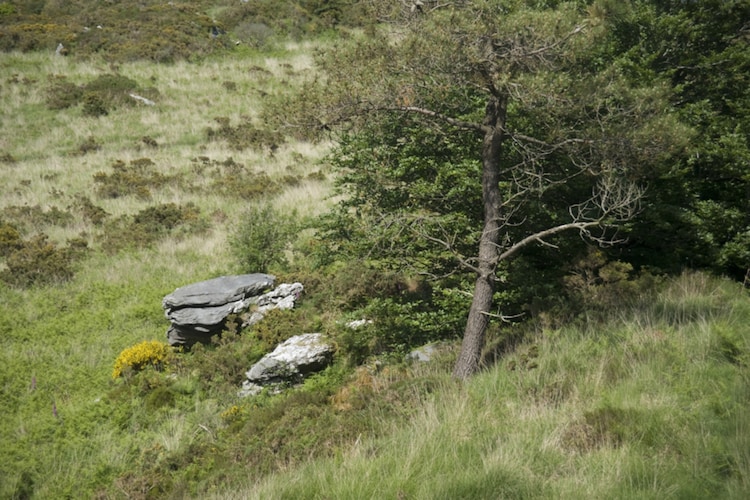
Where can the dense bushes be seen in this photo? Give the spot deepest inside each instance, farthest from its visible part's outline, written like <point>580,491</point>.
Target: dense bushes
<point>99,97</point>
<point>150,225</point>
<point>38,260</point>
<point>166,32</point>
<point>122,31</point>
<point>137,178</point>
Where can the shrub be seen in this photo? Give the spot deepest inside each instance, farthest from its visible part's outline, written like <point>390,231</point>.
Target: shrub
<point>137,178</point>
<point>94,105</point>
<point>280,325</point>
<point>230,178</point>
<point>92,213</point>
<point>10,238</point>
<point>63,93</point>
<point>99,97</point>
<point>262,238</point>
<point>151,224</point>
<point>28,218</point>
<point>245,135</point>
<point>40,261</point>
<point>7,9</point>
<point>89,145</point>
<point>7,158</point>
<point>147,353</point>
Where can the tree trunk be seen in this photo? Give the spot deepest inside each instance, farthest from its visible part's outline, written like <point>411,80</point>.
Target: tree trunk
<point>481,304</point>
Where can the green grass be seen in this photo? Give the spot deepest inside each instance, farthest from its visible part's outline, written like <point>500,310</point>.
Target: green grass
<point>637,407</point>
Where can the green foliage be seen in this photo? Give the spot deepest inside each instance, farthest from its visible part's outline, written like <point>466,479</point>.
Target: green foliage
<point>402,322</point>
<point>88,145</point>
<point>245,135</point>
<point>256,22</point>
<point>62,93</point>
<point>88,210</point>
<point>149,353</point>
<point>137,178</point>
<point>106,93</point>
<point>100,96</point>
<point>150,225</point>
<point>698,194</point>
<point>38,261</point>
<point>29,218</point>
<point>10,238</point>
<point>278,326</point>
<point>233,179</point>
<point>94,105</point>
<point>263,237</point>
<point>120,31</point>
<point>594,283</point>
<point>7,9</point>
<point>404,184</point>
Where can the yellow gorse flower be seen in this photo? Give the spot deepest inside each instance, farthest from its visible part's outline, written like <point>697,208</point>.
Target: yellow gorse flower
<point>139,356</point>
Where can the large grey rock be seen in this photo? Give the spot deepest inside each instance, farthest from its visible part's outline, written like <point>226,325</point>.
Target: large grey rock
<point>289,363</point>
<point>200,310</point>
<point>218,291</point>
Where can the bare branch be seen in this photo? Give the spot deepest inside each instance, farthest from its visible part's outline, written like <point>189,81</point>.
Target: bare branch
<point>440,116</point>
<point>503,317</point>
<point>537,237</point>
<point>613,201</point>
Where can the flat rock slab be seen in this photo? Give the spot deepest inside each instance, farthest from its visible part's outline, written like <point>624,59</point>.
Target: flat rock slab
<point>218,291</point>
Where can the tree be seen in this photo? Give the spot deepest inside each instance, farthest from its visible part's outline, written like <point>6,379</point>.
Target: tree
<point>700,194</point>
<point>554,135</point>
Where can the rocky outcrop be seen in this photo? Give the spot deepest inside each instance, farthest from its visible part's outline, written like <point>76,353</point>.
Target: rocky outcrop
<point>282,297</point>
<point>289,363</point>
<point>200,310</point>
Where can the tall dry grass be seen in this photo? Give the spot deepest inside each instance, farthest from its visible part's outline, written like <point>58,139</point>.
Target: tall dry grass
<point>50,171</point>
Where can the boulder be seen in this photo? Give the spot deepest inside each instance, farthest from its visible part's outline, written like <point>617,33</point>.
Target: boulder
<point>289,363</point>
<point>200,310</point>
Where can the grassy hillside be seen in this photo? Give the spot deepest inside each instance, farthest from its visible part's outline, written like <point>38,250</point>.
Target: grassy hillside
<point>108,204</point>
<point>101,216</point>
<point>652,403</point>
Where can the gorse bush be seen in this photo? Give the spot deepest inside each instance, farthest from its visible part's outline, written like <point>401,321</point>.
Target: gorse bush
<point>39,260</point>
<point>244,135</point>
<point>137,178</point>
<point>150,225</point>
<point>147,353</point>
<point>100,96</point>
<point>29,218</point>
<point>233,179</point>
<point>10,238</point>
<point>90,212</point>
